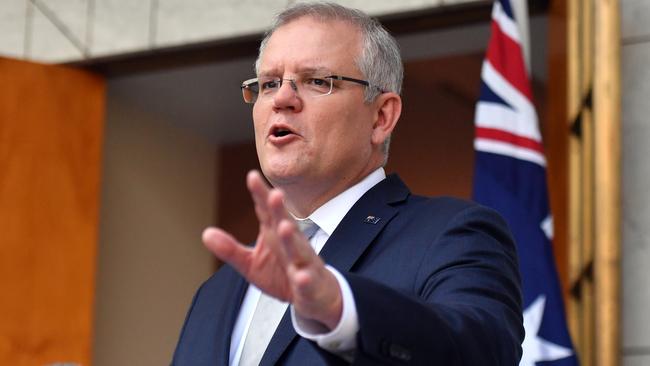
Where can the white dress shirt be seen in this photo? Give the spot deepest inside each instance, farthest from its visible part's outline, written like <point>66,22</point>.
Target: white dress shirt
<point>342,339</point>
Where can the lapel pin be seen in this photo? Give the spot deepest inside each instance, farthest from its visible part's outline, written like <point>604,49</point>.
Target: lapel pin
<point>372,220</point>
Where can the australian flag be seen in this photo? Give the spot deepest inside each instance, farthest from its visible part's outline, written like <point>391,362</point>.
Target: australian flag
<point>510,176</point>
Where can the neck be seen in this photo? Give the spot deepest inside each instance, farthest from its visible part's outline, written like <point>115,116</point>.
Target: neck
<point>303,198</point>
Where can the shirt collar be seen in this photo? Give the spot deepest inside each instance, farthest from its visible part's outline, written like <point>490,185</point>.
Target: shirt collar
<point>329,215</point>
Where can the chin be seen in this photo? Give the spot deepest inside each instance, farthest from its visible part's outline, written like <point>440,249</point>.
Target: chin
<point>280,175</point>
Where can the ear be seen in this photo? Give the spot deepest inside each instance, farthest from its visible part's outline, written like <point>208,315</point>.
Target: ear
<point>389,108</point>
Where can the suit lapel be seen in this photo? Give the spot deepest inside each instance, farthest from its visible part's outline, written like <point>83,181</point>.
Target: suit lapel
<point>282,337</point>
<point>228,312</point>
<point>351,238</point>
<point>363,223</point>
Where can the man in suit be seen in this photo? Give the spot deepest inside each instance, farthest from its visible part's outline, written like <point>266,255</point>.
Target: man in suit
<point>384,276</point>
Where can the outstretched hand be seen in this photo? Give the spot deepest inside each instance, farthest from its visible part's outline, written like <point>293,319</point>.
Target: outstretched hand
<point>282,263</point>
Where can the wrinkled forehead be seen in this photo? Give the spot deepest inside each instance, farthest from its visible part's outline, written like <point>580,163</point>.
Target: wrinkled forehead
<point>308,43</point>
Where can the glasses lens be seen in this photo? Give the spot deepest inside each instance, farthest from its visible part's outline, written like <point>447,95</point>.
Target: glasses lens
<point>249,96</point>
<point>318,86</point>
<point>267,86</point>
<point>250,90</point>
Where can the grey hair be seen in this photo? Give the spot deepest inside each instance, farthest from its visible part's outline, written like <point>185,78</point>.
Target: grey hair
<point>380,61</point>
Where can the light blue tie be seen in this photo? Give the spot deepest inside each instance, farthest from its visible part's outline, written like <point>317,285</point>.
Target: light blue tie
<point>267,315</point>
<point>308,227</point>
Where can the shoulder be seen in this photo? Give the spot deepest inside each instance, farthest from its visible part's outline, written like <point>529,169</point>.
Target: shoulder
<point>395,192</point>
<point>450,210</point>
<point>439,203</point>
<point>221,280</point>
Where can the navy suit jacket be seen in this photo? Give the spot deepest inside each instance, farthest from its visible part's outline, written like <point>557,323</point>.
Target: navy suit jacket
<point>435,281</point>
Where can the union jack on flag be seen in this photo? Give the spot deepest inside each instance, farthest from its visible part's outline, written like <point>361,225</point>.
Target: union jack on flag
<point>510,176</point>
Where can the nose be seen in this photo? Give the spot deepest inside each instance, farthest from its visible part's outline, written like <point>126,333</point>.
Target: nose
<point>292,83</point>
<point>287,97</point>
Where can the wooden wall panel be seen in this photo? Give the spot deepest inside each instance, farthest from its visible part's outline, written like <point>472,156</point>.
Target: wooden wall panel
<point>51,125</point>
<point>556,137</point>
<point>236,214</point>
<point>432,146</point>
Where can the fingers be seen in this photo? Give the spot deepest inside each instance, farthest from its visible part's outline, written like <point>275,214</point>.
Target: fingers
<point>317,295</point>
<point>282,262</point>
<point>269,203</point>
<point>295,245</point>
<point>277,223</point>
<point>226,248</point>
<point>275,204</point>
<point>260,193</point>
<point>269,206</point>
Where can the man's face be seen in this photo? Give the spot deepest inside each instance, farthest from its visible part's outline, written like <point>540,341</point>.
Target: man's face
<point>330,136</point>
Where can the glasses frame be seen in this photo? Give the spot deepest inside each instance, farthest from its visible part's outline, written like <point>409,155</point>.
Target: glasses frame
<point>247,86</point>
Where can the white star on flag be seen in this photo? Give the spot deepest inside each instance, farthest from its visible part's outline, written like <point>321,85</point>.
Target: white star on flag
<point>537,349</point>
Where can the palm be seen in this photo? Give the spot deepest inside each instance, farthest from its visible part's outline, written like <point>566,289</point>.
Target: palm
<point>266,269</point>
<point>282,263</point>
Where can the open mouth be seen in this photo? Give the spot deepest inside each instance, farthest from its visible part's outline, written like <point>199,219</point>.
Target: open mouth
<point>281,132</point>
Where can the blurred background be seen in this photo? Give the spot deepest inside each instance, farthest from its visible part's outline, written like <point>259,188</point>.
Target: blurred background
<point>123,134</point>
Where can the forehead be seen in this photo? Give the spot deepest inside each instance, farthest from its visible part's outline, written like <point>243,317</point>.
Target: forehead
<point>307,43</point>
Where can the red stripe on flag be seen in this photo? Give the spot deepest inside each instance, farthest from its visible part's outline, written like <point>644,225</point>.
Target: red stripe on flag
<point>506,57</point>
<point>503,136</point>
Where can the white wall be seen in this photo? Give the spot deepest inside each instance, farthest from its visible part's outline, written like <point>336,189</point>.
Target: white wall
<point>636,179</point>
<point>66,30</point>
<point>158,193</point>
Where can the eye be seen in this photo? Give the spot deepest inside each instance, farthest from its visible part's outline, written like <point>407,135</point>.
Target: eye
<point>270,84</point>
<point>318,83</point>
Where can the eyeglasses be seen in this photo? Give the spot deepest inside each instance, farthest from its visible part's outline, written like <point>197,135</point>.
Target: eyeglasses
<point>310,86</point>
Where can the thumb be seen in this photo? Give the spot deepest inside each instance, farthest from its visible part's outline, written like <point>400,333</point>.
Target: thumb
<point>225,247</point>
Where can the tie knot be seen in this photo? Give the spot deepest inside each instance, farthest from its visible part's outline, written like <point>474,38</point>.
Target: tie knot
<point>308,227</point>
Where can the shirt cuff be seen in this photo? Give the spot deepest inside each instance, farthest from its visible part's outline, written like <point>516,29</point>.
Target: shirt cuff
<point>342,340</point>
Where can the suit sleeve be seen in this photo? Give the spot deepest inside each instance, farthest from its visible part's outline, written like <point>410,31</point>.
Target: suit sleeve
<point>465,308</point>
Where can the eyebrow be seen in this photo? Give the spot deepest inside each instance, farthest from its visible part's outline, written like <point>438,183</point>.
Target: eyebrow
<point>301,71</point>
